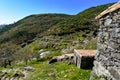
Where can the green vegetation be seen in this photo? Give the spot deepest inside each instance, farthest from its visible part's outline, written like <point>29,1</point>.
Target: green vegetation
<point>30,26</point>
<point>26,39</point>
<point>84,21</point>
<point>57,71</point>
<point>51,24</point>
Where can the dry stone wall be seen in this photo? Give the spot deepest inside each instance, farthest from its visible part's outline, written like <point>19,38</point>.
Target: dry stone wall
<point>107,60</point>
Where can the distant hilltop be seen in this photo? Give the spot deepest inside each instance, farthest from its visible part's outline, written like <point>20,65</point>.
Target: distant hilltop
<point>2,25</point>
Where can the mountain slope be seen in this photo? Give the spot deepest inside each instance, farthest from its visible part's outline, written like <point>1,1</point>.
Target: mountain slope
<point>51,24</point>
<point>55,33</point>
<point>3,25</point>
<point>82,21</point>
<point>30,26</point>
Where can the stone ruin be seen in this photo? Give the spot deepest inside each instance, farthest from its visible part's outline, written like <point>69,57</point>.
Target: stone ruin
<point>107,59</point>
<point>84,58</point>
<point>63,57</point>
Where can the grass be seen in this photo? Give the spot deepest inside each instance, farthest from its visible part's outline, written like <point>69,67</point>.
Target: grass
<point>55,53</point>
<point>1,68</point>
<point>92,44</point>
<point>57,71</point>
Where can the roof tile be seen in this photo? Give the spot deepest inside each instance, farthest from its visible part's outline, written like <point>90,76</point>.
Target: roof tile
<point>86,53</point>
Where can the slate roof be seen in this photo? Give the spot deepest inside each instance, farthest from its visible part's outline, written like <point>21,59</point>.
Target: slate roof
<point>87,53</point>
<point>70,54</point>
<point>109,10</point>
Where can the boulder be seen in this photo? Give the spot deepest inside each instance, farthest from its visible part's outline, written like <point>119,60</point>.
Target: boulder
<point>29,68</point>
<point>53,61</point>
<point>44,54</point>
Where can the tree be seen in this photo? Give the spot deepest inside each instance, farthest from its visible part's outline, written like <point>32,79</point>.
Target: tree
<point>25,53</point>
<point>7,54</point>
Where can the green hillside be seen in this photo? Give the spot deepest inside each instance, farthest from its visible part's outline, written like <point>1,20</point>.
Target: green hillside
<point>51,24</point>
<point>55,33</point>
<point>29,27</point>
<point>83,21</point>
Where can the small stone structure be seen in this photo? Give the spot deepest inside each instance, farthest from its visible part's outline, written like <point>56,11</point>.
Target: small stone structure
<point>68,57</point>
<point>84,58</point>
<point>107,60</point>
<point>60,58</point>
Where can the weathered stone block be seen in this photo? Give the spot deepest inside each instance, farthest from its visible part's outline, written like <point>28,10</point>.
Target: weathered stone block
<point>108,22</point>
<point>104,58</point>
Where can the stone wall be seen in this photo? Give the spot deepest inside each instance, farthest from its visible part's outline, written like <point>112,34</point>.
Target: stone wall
<point>77,60</point>
<point>83,62</point>
<point>107,60</point>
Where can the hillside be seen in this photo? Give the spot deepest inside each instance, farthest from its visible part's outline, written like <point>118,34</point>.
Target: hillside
<point>29,27</point>
<point>3,25</point>
<point>51,24</point>
<point>82,21</point>
<point>56,34</point>
<point>54,31</point>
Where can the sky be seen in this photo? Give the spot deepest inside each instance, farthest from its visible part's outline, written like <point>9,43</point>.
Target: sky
<point>14,10</point>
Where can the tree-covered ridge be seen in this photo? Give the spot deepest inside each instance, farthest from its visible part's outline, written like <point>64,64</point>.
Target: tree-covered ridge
<point>51,24</point>
<point>83,21</point>
<point>29,27</point>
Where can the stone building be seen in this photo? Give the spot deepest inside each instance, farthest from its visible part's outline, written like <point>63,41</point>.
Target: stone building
<point>107,59</point>
<point>84,58</point>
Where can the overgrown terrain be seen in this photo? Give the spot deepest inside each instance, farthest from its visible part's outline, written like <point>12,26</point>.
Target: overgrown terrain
<point>25,40</point>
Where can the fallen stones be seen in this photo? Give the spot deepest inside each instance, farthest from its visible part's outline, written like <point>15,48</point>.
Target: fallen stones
<point>57,59</point>
<point>61,58</point>
<point>53,61</point>
<point>29,68</point>
<point>44,54</point>
<point>14,74</point>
